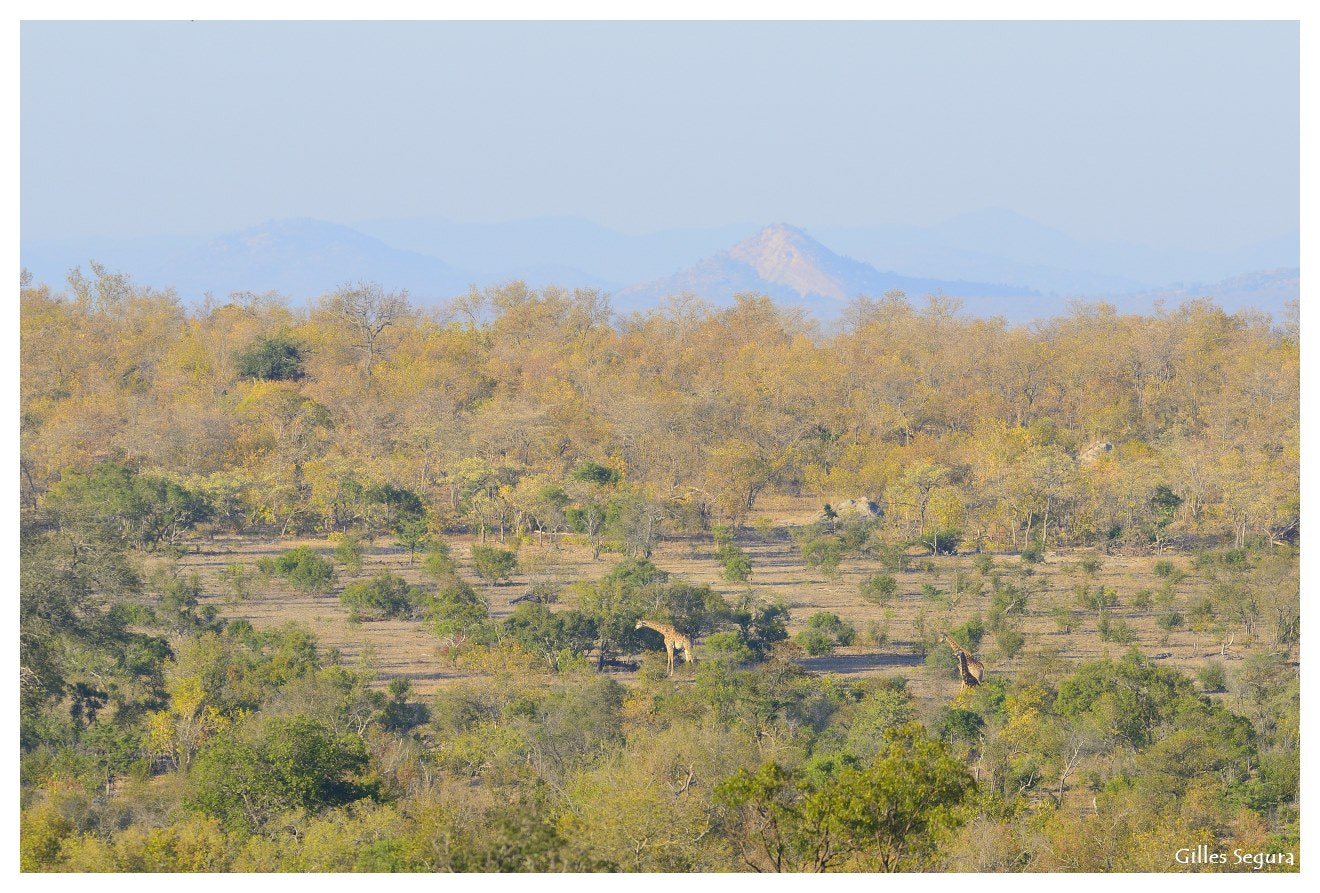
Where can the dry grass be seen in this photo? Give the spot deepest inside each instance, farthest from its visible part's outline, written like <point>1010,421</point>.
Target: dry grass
<point>410,649</point>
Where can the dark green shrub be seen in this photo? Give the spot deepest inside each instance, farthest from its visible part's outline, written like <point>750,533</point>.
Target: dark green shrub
<point>737,566</point>
<point>270,359</point>
<point>494,564</point>
<point>384,597</point>
<point>595,473</point>
<point>729,646</point>
<point>824,632</point>
<point>816,642</point>
<point>302,567</point>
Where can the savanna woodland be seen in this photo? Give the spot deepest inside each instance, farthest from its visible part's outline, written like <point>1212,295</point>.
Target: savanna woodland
<point>360,585</point>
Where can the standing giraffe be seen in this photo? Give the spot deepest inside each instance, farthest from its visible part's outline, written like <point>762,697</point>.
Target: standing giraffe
<point>673,639</point>
<point>971,669</point>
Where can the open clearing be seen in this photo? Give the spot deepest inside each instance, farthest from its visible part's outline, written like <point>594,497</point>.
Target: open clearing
<point>405,648</point>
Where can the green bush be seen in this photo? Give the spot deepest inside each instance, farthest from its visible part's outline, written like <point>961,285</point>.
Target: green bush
<point>302,567</point>
<point>824,632</point>
<point>729,646</point>
<point>1100,598</point>
<point>293,763</point>
<point>349,552</point>
<point>816,642</point>
<point>494,564</point>
<point>1116,631</point>
<point>1212,676</point>
<point>458,609</point>
<point>892,557</point>
<point>984,563</point>
<point>595,473</point>
<point>384,597</point>
<point>879,589</point>
<point>737,566</point>
<point>270,359</point>
<point>1090,565</point>
<point>823,553</point>
<point>1033,554</point>
<point>1170,621</point>
<point>1010,641</point>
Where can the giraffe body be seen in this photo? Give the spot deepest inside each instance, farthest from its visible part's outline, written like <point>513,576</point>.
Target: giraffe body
<point>970,669</point>
<point>673,639</point>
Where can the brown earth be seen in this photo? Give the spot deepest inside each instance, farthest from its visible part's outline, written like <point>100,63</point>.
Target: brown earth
<point>403,648</point>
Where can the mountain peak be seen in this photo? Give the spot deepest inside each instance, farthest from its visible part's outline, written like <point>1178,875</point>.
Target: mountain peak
<point>785,255</point>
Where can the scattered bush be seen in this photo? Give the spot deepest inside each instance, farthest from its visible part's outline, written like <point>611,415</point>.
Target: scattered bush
<point>595,473</point>
<point>1170,621</point>
<point>349,552</point>
<point>879,589</point>
<point>382,598</point>
<point>729,646</point>
<point>1090,565</point>
<point>824,632</point>
<point>1116,631</point>
<point>891,556</point>
<point>816,642</point>
<point>737,566</point>
<point>1100,598</point>
<point>302,567</point>
<point>238,579</point>
<point>494,564</point>
<point>1212,676</point>
<point>1010,641</point>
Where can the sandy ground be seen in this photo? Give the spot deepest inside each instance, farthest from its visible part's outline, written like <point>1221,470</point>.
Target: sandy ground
<point>409,649</point>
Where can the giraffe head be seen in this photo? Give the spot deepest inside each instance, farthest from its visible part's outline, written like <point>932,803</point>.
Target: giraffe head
<point>641,624</point>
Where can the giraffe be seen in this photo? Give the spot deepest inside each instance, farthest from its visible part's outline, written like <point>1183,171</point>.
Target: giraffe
<point>971,669</point>
<point>673,639</point>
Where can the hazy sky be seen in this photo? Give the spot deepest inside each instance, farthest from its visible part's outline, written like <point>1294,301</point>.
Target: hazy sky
<point>1174,134</point>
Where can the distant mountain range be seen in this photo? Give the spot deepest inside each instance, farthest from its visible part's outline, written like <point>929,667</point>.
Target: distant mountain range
<point>790,266</point>
<point>997,263</point>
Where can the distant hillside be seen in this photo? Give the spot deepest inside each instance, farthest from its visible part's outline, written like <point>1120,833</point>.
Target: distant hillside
<point>303,258</point>
<point>997,263</point>
<point>790,266</point>
<point>1268,290</point>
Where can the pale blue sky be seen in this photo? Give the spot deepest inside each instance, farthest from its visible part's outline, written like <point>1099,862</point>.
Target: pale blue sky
<point>1173,134</point>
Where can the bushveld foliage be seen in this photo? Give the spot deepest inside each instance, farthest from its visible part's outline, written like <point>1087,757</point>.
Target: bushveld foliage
<point>156,735</point>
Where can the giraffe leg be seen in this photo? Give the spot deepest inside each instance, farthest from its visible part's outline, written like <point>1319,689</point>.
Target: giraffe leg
<point>669,653</point>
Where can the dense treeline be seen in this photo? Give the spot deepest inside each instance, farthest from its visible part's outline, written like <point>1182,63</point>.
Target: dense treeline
<point>158,735</point>
<point>522,412</point>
